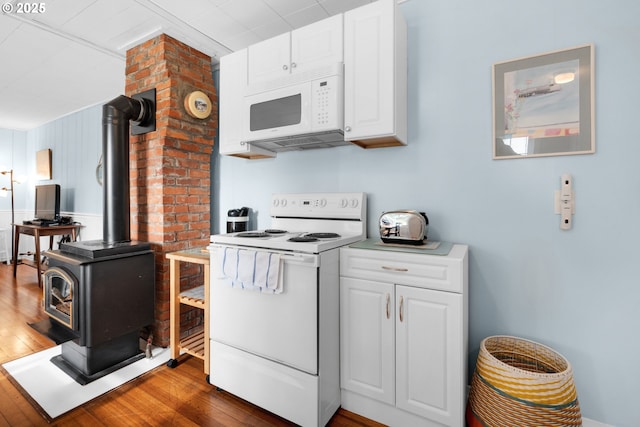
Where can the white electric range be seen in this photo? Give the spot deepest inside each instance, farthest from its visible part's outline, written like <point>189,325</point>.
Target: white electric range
<point>275,305</point>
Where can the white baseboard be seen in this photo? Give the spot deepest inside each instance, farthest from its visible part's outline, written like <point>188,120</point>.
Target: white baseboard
<point>586,422</point>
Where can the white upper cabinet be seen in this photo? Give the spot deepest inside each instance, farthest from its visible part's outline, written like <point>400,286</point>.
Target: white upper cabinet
<point>375,58</point>
<point>233,81</point>
<point>371,42</point>
<point>308,48</point>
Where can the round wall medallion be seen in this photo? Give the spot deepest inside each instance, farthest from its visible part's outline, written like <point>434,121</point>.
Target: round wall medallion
<point>198,105</point>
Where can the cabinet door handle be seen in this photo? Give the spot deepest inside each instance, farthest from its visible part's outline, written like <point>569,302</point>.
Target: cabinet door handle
<point>294,65</point>
<point>401,307</point>
<point>347,129</point>
<point>285,67</point>
<point>384,267</point>
<point>388,305</point>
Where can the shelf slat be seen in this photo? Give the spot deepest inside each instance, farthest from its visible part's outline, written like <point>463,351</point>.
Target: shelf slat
<point>194,345</point>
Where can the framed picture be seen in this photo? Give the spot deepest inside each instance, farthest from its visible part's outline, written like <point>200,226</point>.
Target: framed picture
<point>43,164</point>
<point>543,105</point>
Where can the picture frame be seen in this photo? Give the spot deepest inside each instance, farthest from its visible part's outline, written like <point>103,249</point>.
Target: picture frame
<point>43,164</point>
<point>543,105</point>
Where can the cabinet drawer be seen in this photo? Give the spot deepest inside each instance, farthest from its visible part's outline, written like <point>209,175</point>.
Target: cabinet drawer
<point>447,273</point>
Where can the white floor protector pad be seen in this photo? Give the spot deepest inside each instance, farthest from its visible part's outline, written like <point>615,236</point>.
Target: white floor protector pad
<point>57,393</point>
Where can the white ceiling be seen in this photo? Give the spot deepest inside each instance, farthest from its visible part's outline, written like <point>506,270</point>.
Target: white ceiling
<point>72,55</point>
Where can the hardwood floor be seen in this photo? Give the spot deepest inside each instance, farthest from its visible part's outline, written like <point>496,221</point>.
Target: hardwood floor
<point>163,397</point>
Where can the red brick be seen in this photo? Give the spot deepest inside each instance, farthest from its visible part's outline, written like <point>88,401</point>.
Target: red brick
<point>171,166</point>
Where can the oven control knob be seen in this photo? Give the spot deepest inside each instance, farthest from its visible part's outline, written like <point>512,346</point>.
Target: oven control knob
<point>283,203</point>
<point>354,203</point>
<point>276,203</point>
<point>323,203</point>
<point>344,203</point>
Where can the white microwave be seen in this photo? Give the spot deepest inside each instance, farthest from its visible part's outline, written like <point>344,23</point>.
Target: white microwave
<point>307,113</point>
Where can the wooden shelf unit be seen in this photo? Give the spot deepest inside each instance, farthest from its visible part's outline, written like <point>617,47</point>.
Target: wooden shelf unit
<point>196,345</point>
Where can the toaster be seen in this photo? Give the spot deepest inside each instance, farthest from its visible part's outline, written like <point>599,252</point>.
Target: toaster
<point>404,227</point>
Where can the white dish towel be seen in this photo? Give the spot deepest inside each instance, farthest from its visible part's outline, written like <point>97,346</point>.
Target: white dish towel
<point>255,270</point>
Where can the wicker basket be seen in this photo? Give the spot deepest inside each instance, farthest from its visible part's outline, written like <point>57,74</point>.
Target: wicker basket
<point>521,383</point>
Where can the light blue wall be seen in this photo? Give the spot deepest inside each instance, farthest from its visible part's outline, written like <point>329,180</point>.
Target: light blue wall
<point>76,145</point>
<point>12,156</point>
<point>576,291</point>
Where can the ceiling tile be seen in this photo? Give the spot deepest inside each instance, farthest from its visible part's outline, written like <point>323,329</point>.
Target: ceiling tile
<point>336,6</point>
<point>287,7</point>
<point>7,26</point>
<point>242,40</point>
<point>309,15</point>
<point>250,13</point>
<point>272,29</point>
<point>219,25</point>
<point>102,22</point>
<point>59,12</point>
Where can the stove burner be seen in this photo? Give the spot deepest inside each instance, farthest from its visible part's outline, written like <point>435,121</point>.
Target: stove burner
<point>274,231</point>
<point>252,234</point>
<point>313,237</point>
<point>306,238</point>
<point>323,235</point>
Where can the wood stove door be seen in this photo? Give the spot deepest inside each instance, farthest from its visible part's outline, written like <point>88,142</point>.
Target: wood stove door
<point>59,289</point>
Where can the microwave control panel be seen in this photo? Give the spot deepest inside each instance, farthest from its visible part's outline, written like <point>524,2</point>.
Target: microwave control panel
<point>326,111</point>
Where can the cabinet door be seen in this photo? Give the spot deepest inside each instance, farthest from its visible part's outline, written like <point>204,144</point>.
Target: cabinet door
<point>233,81</point>
<point>307,48</point>
<point>316,45</point>
<point>366,338</point>
<point>429,336</point>
<point>369,70</point>
<point>269,59</point>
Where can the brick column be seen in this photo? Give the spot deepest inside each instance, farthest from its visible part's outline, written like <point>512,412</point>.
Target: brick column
<point>170,167</point>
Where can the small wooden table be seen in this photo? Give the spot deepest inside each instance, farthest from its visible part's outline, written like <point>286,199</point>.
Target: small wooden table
<point>196,345</point>
<point>38,231</point>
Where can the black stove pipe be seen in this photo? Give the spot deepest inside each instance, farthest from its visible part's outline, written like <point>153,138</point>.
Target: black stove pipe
<point>116,115</point>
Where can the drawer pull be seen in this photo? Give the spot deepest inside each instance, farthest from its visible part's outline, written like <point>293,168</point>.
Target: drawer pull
<point>384,267</point>
<point>388,305</point>
<point>401,307</point>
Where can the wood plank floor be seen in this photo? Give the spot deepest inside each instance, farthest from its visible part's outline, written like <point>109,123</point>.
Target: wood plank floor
<point>163,397</point>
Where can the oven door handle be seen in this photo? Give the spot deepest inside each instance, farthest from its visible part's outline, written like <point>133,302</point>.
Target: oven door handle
<point>310,260</point>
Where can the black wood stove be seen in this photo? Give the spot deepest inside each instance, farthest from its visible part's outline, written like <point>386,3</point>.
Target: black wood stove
<point>103,291</point>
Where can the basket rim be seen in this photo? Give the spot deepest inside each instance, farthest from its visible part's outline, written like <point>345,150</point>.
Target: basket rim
<point>568,370</point>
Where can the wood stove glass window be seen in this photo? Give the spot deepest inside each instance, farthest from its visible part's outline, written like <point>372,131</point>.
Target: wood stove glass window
<point>59,290</point>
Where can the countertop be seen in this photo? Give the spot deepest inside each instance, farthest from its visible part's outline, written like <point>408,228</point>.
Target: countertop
<point>442,248</point>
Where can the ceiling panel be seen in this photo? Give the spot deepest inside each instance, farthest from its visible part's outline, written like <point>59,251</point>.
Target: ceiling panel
<point>284,7</point>
<point>309,15</point>
<point>250,13</point>
<point>7,26</point>
<point>73,55</point>
<point>59,12</point>
<point>334,7</point>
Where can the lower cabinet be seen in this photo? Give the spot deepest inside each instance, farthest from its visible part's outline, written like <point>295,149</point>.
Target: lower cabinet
<point>403,347</point>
